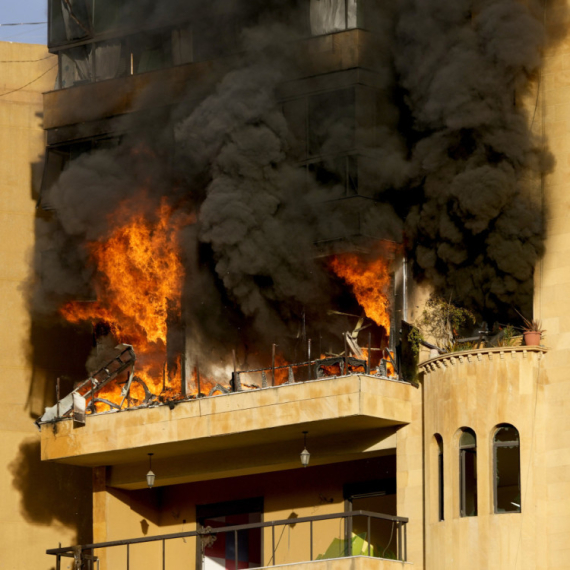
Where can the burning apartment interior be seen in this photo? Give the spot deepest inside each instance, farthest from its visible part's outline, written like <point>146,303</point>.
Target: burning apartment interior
<point>257,212</point>
<point>239,196</point>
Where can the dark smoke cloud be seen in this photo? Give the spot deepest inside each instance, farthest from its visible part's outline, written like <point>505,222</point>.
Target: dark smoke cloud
<point>454,166</point>
<point>466,69</point>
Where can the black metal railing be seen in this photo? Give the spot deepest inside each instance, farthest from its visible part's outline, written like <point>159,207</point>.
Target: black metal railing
<point>85,555</point>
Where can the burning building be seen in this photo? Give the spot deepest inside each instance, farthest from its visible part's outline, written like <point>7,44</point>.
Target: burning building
<point>241,208</point>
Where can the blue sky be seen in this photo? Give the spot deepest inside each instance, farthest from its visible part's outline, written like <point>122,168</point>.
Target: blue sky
<point>22,11</point>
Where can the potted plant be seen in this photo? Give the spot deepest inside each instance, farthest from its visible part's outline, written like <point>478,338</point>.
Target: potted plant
<point>532,331</point>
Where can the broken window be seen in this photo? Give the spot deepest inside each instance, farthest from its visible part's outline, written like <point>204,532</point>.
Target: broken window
<point>110,60</point>
<point>507,468</point>
<point>328,16</point>
<point>440,500</point>
<point>468,473</point>
<point>332,118</point>
<point>70,20</point>
<point>75,66</point>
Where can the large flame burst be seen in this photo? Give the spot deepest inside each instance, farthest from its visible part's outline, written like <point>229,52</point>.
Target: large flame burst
<point>138,284</point>
<point>369,280</point>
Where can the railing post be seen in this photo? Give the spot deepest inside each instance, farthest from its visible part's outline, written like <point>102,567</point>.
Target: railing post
<point>128,555</point>
<point>405,542</point>
<point>236,548</point>
<point>273,544</point>
<point>349,533</point>
<point>311,523</point>
<point>368,536</point>
<point>163,554</point>
<point>58,561</point>
<point>400,541</point>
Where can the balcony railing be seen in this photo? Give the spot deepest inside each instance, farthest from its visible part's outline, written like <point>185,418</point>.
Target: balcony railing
<point>359,544</point>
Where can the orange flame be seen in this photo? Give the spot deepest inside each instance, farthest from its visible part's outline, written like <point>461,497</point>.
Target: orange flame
<point>369,280</point>
<point>138,286</point>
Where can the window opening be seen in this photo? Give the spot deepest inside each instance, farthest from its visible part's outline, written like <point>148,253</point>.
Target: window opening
<point>328,16</point>
<point>468,473</point>
<point>507,469</point>
<point>220,554</point>
<point>378,497</point>
<point>440,488</point>
<point>76,66</point>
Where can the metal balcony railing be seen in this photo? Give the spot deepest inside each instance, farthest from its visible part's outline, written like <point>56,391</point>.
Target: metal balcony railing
<point>86,555</point>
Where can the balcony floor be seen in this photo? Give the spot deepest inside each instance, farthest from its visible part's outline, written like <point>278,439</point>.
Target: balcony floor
<point>236,434</point>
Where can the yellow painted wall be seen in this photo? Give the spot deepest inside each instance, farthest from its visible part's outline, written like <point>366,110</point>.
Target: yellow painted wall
<point>32,517</point>
<point>287,494</point>
<point>480,390</point>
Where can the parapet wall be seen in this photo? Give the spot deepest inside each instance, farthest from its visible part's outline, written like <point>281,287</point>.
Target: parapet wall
<point>480,390</point>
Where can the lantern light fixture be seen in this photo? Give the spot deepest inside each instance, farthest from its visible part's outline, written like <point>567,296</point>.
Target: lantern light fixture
<point>150,476</point>
<point>305,455</point>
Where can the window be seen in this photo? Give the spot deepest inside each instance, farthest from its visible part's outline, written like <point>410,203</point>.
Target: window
<point>440,500</point>
<point>468,473</point>
<point>328,16</point>
<point>220,554</point>
<point>75,66</point>
<point>69,20</point>
<point>507,469</point>
<point>378,497</point>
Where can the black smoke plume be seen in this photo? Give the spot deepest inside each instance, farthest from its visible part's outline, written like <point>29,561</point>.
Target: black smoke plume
<point>468,72</point>
<point>454,164</point>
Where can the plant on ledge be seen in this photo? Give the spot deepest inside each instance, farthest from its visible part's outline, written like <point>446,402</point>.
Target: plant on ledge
<point>532,331</point>
<point>440,322</point>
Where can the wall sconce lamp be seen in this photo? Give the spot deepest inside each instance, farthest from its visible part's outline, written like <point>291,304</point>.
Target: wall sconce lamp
<point>305,455</point>
<point>150,476</point>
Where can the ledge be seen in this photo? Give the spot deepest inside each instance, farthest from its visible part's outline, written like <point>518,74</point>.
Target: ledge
<point>477,355</point>
<point>239,433</point>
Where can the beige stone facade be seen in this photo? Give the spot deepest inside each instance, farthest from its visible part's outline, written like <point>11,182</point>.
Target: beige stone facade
<point>28,524</point>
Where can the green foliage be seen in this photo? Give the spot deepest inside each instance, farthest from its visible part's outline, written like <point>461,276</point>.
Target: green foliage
<point>509,337</point>
<point>440,321</point>
<point>414,338</point>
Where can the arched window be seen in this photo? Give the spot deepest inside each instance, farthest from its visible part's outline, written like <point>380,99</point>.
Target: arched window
<point>507,469</point>
<point>440,500</point>
<point>468,473</point>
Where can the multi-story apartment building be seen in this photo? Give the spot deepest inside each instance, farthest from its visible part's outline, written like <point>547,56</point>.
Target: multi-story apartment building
<point>465,467</point>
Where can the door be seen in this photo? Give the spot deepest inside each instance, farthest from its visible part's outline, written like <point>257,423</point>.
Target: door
<point>219,549</point>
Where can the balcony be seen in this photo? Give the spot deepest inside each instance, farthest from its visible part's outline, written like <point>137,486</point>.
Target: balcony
<point>238,433</point>
<point>326,54</point>
<point>378,542</point>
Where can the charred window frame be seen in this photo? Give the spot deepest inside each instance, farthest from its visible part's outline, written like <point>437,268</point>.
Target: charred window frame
<point>69,20</point>
<point>468,473</point>
<point>440,481</point>
<point>506,470</point>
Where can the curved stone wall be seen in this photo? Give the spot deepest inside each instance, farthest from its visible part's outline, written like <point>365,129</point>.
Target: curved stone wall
<point>481,389</point>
